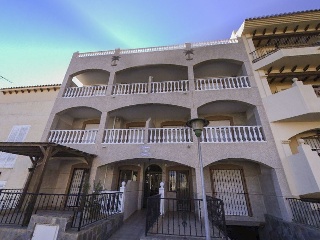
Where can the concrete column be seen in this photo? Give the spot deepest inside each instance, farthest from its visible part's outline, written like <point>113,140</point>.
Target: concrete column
<point>191,77</point>
<point>111,82</point>
<point>102,126</point>
<point>149,84</point>
<point>123,195</point>
<point>264,83</point>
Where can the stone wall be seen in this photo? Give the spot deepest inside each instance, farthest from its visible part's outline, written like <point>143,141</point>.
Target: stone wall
<point>101,230</point>
<point>276,228</point>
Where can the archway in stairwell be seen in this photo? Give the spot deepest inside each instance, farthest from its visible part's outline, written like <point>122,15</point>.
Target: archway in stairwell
<point>152,180</point>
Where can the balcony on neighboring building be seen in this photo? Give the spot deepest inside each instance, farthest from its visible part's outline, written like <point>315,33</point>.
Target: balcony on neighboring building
<point>274,44</point>
<point>302,164</point>
<point>297,102</point>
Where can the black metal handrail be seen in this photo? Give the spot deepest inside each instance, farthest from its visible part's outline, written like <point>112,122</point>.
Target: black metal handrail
<point>216,214</point>
<point>305,211</point>
<point>184,217</point>
<point>284,42</point>
<point>16,208</point>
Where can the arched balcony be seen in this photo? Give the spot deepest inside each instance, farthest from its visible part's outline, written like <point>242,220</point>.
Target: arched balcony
<point>76,126</point>
<point>220,74</point>
<point>231,121</point>
<point>148,123</point>
<point>151,79</point>
<point>87,83</point>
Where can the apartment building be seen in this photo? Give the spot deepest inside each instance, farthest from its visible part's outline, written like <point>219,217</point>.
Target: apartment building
<point>130,110</point>
<point>284,51</point>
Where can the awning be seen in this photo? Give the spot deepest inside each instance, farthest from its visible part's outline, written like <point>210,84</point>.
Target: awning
<point>37,149</point>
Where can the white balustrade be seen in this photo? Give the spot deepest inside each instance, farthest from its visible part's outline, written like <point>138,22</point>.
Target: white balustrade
<point>73,136</point>
<point>212,43</point>
<point>170,135</point>
<point>100,53</point>
<point>130,88</point>
<point>124,136</point>
<point>86,91</point>
<point>222,83</point>
<point>227,134</point>
<point>170,86</point>
<point>152,49</point>
<point>158,49</point>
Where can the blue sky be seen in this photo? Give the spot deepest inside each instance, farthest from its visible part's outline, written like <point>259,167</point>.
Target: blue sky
<point>38,37</point>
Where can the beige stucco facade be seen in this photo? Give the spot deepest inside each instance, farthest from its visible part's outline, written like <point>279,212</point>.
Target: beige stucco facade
<point>285,54</point>
<point>28,106</point>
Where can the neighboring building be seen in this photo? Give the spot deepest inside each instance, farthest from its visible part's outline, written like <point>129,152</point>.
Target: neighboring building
<point>24,114</point>
<point>285,55</point>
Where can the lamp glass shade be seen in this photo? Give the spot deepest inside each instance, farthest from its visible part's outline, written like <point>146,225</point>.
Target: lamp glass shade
<point>197,124</point>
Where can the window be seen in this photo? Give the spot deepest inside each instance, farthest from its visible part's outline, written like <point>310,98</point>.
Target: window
<point>126,175</point>
<point>18,134</point>
<point>178,181</point>
<point>228,185</point>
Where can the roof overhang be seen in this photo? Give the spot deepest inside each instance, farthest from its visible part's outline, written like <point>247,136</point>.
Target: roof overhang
<point>37,150</point>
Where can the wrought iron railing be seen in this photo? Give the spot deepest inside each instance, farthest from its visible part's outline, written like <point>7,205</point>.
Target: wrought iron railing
<point>184,217</point>
<point>313,142</point>
<point>285,42</point>
<point>305,211</point>
<point>16,208</point>
<point>216,214</point>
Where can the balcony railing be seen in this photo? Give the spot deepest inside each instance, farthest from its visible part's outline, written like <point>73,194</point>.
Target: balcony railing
<point>222,83</point>
<point>305,211</point>
<point>229,134</point>
<point>313,142</point>
<point>73,136</point>
<point>130,88</point>
<point>285,42</point>
<point>16,208</point>
<point>226,134</point>
<point>170,86</point>
<point>123,136</point>
<point>87,91</point>
<point>169,135</point>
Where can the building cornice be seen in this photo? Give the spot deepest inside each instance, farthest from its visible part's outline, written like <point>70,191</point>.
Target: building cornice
<point>29,89</point>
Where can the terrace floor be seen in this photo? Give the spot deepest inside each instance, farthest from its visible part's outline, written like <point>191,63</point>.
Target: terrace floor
<point>133,228</point>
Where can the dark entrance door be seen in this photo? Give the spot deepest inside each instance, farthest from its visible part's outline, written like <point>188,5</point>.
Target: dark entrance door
<point>153,178</point>
<point>76,186</point>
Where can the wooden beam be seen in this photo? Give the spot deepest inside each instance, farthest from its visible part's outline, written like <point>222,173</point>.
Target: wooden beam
<point>294,68</point>
<point>281,69</point>
<point>307,27</point>
<point>269,70</point>
<point>285,29</point>
<point>282,80</point>
<point>296,28</point>
<point>254,32</point>
<point>285,35</point>
<point>274,30</point>
<point>306,68</point>
<point>318,68</point>
<point>305,78</point>
<point>264,31</point>
<point>318,26</point>
<point>272,80</point>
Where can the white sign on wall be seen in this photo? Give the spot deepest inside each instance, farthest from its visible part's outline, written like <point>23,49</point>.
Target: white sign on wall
<point>145,151</point>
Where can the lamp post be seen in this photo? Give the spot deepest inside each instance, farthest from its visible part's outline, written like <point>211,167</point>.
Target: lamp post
<point>197,125</point>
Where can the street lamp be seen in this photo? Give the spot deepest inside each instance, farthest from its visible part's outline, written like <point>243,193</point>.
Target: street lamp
<point>197,125</point>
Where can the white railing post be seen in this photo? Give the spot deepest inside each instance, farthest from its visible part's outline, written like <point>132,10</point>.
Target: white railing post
<point>149,84</point>
<point>122,196</point>
<point>161,192</point>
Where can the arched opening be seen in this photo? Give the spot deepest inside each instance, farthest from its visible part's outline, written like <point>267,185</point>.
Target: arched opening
<point>89,77</point>
<point>219,68</point>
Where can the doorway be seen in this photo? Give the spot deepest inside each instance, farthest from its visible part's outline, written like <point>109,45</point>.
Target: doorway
<point>152,180</point>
